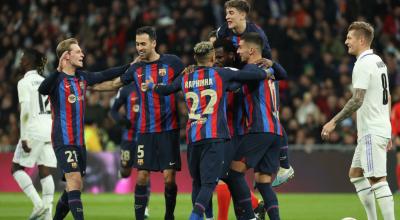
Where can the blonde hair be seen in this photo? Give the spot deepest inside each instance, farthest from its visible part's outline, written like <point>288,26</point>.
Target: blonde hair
<point>364,29</point>
<point>202,50</point>
<point>65,45</point>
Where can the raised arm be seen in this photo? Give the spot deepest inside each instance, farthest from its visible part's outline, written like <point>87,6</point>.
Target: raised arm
<point>105,75</point>
<point>247,75</point>
<point>165,90</point>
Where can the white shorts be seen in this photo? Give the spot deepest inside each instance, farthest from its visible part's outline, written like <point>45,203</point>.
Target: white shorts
<point>42,153</point>
<point>370,155</point>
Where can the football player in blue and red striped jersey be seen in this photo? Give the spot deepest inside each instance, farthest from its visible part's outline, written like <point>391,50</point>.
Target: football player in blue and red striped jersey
<point>158,125</point>
<point>66,89</point>
<point>207,130</point>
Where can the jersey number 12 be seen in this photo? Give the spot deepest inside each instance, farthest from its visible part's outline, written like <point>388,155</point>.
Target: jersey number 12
<point>44,105</point>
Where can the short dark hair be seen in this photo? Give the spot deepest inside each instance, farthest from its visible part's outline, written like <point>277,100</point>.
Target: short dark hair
<point>255,38</point>
<point>226,44</point>
<point>240,5</point>
<point>149,30</point>
<point>37,59</point>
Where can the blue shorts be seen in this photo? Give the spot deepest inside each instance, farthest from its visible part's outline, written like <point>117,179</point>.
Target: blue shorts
<point>230,150</point>
<point>158,151</point>
<point>260,151</point>
<point>127,151</point>
<point>71,159</point>
<point>206,161</point>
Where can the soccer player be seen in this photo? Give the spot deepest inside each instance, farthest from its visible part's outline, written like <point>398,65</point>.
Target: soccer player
<point>259,147</point>
<point>207,131</point>
<point>371,101</point>
<point>395,121</point>
<point>66,89</point>
<point>236,25</point>
<point>34,146</point>
<point>158,128</point>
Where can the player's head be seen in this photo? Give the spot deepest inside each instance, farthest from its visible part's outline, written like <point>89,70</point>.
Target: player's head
<point>204,53</point>
<point>146,42</point>
<point>33,60</point>
<point>250,45</point>
<point>74,55</point>
<point>236,12</point>
<point>212,36</point>
<point>225,53</point>
<point>359,37</point>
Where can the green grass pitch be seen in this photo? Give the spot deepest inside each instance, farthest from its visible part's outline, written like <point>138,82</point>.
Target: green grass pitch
<point>15,206</point>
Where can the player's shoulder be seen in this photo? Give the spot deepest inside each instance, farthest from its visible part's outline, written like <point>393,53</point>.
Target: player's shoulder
<point>170,58</point>
<point>223,30</point>
<point>253,27</point>
<point>251,66</point>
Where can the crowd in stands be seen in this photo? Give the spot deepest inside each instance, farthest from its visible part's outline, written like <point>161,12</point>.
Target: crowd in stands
<point>306,36</point>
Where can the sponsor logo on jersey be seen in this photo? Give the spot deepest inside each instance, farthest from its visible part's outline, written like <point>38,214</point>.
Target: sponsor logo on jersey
<point>162,72</point>
<point>135,108</point>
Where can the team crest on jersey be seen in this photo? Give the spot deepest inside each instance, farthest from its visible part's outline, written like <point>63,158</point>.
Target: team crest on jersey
<point>74,165</point>
<point>72,98</point>
<point>140,162</point>
<point>135,108</point>
<point>162,72</point>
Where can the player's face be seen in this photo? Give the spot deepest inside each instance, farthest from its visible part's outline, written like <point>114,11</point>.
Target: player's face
<point>75,56</point>
<point>223,58</point>
<point>145,46</point>
<point>353,42</point>
<point>244,51</point>
<point>234,17</point>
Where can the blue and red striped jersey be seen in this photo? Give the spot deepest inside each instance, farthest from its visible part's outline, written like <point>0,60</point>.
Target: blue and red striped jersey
<point>205,97</point>
<point>157,113</point>
<point>236,113</point>
<point>224,32</point>
<point>128,98</point>
<point>67,98</point>
<point>261,105</point>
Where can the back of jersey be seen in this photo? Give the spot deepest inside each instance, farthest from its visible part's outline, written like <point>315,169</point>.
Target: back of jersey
<point>39,120</point>
<point>370,73</point>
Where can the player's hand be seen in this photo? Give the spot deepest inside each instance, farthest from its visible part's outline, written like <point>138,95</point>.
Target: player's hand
<point>149,84</point>
<point>389,145</point>
<point>136,60</point>
<point>264,63</point>
<point>327,129</point>
<point>62,62</point>
<point>25,147</point>
<point>189,69</point>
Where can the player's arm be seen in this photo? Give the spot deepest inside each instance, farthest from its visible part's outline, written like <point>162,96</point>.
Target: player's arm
<point>114,112</point>
<point>47,86</point>
<point>278,73</point>
<point>105,75</point>
<point>266,52</point>
<point>249,74</point>
<point>234,86</point>
<point>23,96</point>
<point>165,90</point>
<point>106,86</point>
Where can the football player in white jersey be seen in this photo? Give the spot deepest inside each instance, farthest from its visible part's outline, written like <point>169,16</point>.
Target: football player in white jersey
<point>371,100</point>
<point>34,146</point>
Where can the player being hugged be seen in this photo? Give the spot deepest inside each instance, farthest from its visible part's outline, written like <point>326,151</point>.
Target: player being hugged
<point>66,89</point>
<point>34,146</point>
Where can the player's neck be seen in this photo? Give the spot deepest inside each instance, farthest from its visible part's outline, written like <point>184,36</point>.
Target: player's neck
<point>362,50</point>
<point>253,59</point>
<point>153,57</point>
<point>69,70</point>
<point>240,28</point>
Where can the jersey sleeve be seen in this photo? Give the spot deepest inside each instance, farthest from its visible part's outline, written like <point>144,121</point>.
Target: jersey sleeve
<point>361,76</point>
<point>48,84</point>
<point>266,52</point>
<point>128,76</point>
<point>177,65</point>
<point>279,72</point>
<point>23,91</point>
<point>118,102</point>
<point>175,86</point>
<point>248,73</point>
<point>105,75</point>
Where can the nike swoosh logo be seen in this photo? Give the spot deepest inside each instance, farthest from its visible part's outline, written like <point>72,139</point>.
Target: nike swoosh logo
<point>67,86</point>
<point>171,164</point>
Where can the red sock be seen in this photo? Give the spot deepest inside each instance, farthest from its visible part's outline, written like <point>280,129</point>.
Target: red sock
<point>224,200</point>
<point>254,200</point>
<point>398,176</point>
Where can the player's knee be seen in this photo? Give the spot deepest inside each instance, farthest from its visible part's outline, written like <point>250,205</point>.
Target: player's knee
<point>125,172</point>
<point>44,171</point>
<point>374,180</point>
<point>263,178</point>
<point>169,177</point>
<point>238,166</point>
<point>74,181</point>
<point>142,177</point>
<point>355,172</point>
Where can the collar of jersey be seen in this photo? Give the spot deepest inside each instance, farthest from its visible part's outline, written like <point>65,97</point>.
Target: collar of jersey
<point>365,53</point>
<point>31,72</point>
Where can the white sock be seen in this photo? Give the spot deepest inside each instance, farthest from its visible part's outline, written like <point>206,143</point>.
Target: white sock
<point>366,195</point>
<point>25,183</point>
<point>385,199</point>
<point>48,194</point>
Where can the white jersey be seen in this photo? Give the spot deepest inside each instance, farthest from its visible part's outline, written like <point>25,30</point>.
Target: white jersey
<point>370,73</point>
<point>38,124</point>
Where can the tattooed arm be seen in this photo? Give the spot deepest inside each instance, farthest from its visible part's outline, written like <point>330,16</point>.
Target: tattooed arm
<point>351,106</point>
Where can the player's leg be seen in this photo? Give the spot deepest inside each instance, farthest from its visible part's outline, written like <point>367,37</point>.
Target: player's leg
<point>127,151</point>
<point>141,193</point>
<point>21,160</point>
<point>374,168</point>
<point>224,200</point>
<point>209,211</point>
<point>266,167</point>
<point>361,184</point>
<point>168,146</point>
<point>286,171</point>
<point>210,162</point>
<point>47,162</point>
